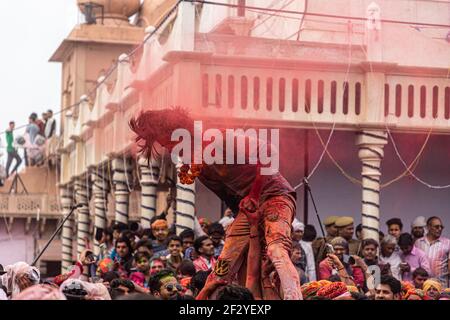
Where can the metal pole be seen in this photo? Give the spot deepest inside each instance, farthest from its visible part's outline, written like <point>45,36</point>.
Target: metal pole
<point>223,207</point>
<point>305,174</point>
<point>55,233</point>
<point>307,187</point>
<point>241,8</point>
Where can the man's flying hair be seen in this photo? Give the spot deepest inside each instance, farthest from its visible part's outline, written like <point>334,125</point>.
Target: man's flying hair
<point>151,125</point>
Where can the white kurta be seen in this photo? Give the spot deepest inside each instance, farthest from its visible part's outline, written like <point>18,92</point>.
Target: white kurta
<point>310,262</point>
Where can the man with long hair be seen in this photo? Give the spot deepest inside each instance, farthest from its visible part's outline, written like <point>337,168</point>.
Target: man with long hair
<point>267,199</point>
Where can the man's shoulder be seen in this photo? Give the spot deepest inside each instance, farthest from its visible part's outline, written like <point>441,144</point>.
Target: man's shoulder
<point>306,244</point>
<point>324,264</point>
<point>318,241</point>
<point>396,256</point>
<point>421,240</point>
<point>416,251</point>
<point>446,242</point>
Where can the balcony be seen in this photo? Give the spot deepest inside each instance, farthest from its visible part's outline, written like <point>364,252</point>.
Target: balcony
<point>353,80</point>
<point>29,206</point>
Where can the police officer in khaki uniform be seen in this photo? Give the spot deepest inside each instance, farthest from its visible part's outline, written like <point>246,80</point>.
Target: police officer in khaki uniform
<point>346,230</point>
<point>319,245</point>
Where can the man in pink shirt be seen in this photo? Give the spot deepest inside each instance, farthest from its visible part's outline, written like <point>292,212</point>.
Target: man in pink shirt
<point>412,257</point>
<point>437,249</point>
<point>205,251</point>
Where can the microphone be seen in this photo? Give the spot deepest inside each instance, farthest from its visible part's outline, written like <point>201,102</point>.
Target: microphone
<point>79,205</point>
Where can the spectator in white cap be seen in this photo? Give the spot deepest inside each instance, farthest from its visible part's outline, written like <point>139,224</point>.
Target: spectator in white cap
<point>227,219</point>
<point>297,235</point>
<point>418,227</point>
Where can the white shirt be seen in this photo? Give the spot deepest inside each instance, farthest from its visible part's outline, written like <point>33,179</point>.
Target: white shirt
<point>50,128</point>
<point>394,261</point>
<point>226,222</point>
<point>3,295</point>
<point>310,262</point>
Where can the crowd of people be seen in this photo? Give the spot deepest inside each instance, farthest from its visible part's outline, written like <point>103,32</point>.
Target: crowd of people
<point>410,265</point>
<point>148,264</point>
<point>37,132</point>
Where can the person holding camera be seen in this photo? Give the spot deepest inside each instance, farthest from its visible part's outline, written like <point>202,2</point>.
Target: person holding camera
<point>339,264</point>
<point>389,259</point>
<point>83,269</point>
<point>124,259</point>
<point>412,257</point>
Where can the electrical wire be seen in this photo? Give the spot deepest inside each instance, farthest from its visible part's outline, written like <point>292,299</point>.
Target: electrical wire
<point>114,66</point>
<point>302,21</point>
<point>325,148</point>
<point>415,162</point>
<point>263,9</point>
<point>397,152</point>
<point>325,145</point>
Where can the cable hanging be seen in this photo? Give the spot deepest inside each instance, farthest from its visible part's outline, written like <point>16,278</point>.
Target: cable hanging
<point>408,169</point>
<point>324,15</point>
<point>325,146</point>
<point>352,179</point>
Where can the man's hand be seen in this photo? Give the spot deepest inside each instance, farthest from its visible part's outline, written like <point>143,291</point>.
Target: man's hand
<point>249,207</point>
<point>87,257</point>
<point>140,289</point>
<point>212,283</point>
<point>23,282</point>
<point>405,267</point>
<point>371,294</point>
<point>333,260</point>
<point>360,262</point>
<point>87,242</point>
<point>215,283</point>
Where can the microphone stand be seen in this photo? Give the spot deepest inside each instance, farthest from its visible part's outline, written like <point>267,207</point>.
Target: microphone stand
<point>328,247</point>
<point>55,233</point>
<point>308,188</point>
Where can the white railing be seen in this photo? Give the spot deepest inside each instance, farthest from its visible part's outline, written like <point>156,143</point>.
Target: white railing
<point>285,95</point>
<point>417,102</point>
<point>29,205</point>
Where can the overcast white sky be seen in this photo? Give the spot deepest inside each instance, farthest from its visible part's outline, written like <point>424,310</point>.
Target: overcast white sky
<point>30,32</point>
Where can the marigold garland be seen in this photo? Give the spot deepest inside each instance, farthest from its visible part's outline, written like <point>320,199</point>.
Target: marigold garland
<point>188,173</point>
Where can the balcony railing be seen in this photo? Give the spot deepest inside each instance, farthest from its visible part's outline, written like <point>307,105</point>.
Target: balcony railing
<point>24,206</point>
<point>272,81</point>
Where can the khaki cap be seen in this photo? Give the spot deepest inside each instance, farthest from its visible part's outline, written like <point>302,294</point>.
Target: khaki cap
<point>344,221</point>
<point>330,220</point>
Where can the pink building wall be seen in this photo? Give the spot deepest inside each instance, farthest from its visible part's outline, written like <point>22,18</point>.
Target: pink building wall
<point>18,247</point>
